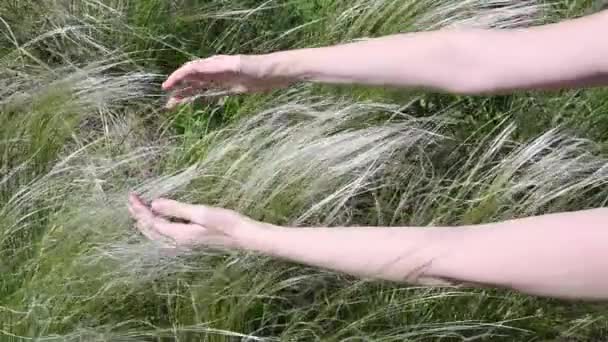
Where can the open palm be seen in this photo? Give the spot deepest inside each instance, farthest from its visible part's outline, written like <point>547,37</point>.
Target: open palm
<point>204,225</point>
<point>221,74</point>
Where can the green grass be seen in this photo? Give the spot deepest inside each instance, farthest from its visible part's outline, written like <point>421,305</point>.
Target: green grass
<point>82,125</point>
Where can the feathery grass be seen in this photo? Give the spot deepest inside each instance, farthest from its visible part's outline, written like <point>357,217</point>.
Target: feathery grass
<point>81,127</point>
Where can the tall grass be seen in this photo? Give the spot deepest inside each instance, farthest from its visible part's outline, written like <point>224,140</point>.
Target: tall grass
<point>81,126</point>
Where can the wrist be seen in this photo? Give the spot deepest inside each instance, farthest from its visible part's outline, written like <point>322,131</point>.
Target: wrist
<point>283,65</point>
<point>257,237</point>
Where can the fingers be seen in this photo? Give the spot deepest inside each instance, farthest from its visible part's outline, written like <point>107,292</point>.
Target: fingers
<point>175,101</point>
<point>180,75</point>
<point>185,94</point>
<point>208,217</point>
<point>144,218</point>
<point>189,71</point>
<point>170,208</point>
<point>159,229</point>
<point>200,68</point>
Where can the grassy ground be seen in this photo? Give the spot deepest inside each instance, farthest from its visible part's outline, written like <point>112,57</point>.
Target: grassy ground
<point>82,125</point>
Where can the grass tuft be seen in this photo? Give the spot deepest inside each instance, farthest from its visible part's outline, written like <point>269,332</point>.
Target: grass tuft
<point>81,127</point>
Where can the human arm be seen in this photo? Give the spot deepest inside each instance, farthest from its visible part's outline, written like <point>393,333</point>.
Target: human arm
<point>560,255</point>
<point>568,54</point>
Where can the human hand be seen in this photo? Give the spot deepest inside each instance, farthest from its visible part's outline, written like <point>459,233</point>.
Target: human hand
<point>227,74</point>
<point>205,226</point>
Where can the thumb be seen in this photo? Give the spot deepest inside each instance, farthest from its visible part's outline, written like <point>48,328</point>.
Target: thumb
<point>209,217</point>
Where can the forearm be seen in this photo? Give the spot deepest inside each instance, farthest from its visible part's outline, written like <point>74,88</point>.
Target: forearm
<point>458,61</point>
<point>561,255</point>
<point>405,60</point>
<point>558,255</point>
<point>397,254</point>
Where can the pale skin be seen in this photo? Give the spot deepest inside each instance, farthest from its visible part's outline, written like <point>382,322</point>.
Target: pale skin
<point>562,255</point>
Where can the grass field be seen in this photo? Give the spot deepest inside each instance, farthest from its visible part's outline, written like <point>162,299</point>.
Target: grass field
<point>81,124</point>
